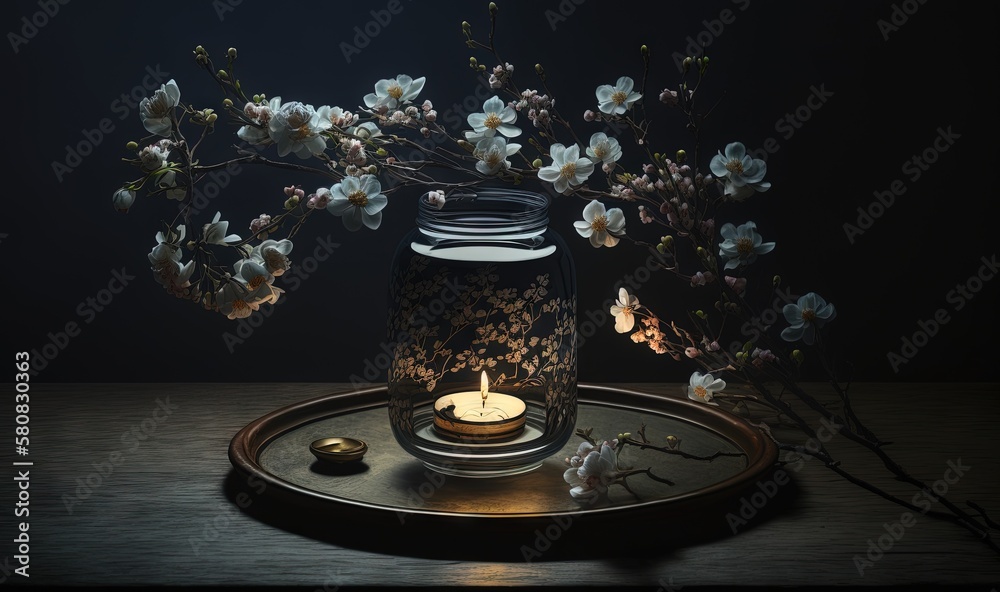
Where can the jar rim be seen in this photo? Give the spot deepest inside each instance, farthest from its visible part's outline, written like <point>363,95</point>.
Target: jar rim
<point>478,210</point>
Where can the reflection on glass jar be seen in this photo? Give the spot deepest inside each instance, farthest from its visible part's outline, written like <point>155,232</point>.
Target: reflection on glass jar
<point>482,320</point>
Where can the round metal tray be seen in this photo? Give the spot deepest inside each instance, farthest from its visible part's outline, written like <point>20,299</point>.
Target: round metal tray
<point>391,486</point>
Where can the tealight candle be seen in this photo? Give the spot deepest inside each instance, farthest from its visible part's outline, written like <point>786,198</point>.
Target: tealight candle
<point>479,415</point>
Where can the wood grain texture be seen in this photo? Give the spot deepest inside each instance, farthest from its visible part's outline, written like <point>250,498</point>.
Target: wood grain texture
<point>169,513</point>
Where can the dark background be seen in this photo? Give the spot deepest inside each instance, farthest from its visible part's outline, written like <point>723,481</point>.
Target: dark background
<point>62,240</point>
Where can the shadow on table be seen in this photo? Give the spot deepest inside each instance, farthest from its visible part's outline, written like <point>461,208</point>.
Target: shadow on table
<point>633,534</point>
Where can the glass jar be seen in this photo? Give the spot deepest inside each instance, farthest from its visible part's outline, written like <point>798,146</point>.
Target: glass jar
<point>482,322</point>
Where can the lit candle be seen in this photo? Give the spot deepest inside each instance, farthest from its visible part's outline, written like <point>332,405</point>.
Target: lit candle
<point>479,415</point>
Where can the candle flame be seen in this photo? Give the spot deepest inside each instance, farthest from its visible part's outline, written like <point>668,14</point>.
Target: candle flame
<point>484,386</point>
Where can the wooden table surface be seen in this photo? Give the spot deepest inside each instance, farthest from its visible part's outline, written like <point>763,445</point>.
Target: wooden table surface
<point>166,510</point>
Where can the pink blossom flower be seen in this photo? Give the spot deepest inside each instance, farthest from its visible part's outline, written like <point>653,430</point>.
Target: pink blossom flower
<point>692,352</point>
<point>319,199</point>
<point>737,284</point>
<point>436,199</point>
<point>260,222</point>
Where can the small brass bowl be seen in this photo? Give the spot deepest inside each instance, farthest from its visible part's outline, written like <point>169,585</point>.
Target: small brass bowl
<point>338,450</point>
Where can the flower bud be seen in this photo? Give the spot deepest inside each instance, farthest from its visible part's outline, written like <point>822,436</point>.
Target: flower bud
<point>256,98</point>
<point>537,163</point>
<point>473,62</point>
<point>381,152</point>
<point>227,102</point>
<point>493,8</point>
<point>700,314</point>
<point>798,356</point>
<point>291,203</point>
<point>776,281</point>
<point>667,241</point>
<point>131,146</point>
<point>231,52</point>
<point>589,115</point>
<point>686,64</point>
<point>681,155</point>
<point>702,252</point>
<point>199,49</point>
<point>673,441</point>
<point>466,28</point>
<point>223,75</point>
<point>212,117</point>
<point>539,69</point>
<point>123,199</point>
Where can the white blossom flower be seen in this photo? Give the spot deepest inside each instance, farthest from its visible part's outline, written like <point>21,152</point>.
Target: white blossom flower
<point>393,92</point>
<point>165,260</point>
<point>567,169</point>
<point>273,255</point>
<point>702,388</point>
<point>604,149</point>
<point>623,310</point>
<point>436,199</point>
<point>123,199</point>
<point>741,174</point>
<point>492,154</point>
<point>168,246</point>
<point>341,118</point>
<point>297,127</point>
<point>496,117</point>
<point>615,100</point>
<point>153,157</point>
<point>156,112</point>
<point>261,115</point>
<point>805,316</point>
<point>358,201</point>
<point>602,227</point>
<point>258,281</point>
<point>365,131</point>
<point>591,471</point>
<point>215,232</point>
<point>235,300</point>
<point>742,244</point>
<point>167,181</point>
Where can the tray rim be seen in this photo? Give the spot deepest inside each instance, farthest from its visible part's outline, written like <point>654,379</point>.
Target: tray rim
<point>248,443</point>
